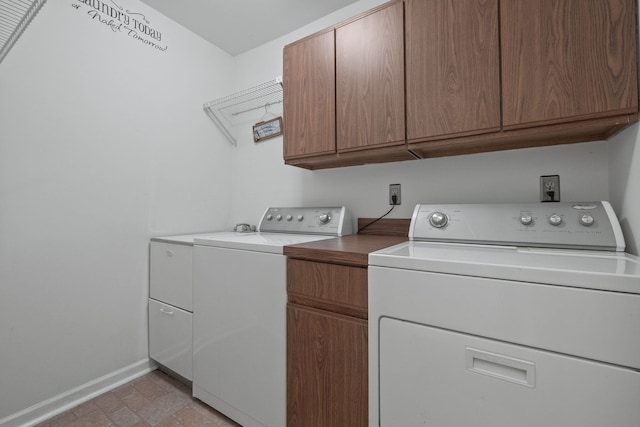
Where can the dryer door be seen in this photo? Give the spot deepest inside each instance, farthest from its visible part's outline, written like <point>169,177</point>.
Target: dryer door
<point>436,377</point>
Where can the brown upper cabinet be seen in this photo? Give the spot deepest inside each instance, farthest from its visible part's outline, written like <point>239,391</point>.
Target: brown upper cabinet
<point>309,96</point>
<point>370,80</point>
<point>369,112</point>
<point>481,75</point>
<point>453,68</point>
<point>567,60</point>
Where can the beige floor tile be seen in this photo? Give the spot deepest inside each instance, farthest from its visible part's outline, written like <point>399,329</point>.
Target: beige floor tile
<point>124,417</point>
<point>108,403</point>
<point>64,419</point>
<point>154,414</point>
<point>123,390</point>
<point>93,419</point>
<point>135,400</point>
<point>149,388</point>
<point>85,409</point>
<point>152,400</point>
<point>190,417</point>
<point>169,422</point>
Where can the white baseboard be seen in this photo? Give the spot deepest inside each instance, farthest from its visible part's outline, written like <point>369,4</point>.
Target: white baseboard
<point>56,405</point>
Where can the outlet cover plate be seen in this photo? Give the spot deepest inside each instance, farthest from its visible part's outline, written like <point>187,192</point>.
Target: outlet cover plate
<point>394,189</point>
<point>550,188</point>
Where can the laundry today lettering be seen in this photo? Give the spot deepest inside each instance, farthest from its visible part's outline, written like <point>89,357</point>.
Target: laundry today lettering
<point>117,18</point>
<point>111,23</point>
<point>119,21</point>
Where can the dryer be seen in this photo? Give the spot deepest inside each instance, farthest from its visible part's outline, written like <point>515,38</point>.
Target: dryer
<point>506,315</point>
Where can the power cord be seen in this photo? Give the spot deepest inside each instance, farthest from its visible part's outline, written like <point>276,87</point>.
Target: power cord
<point>394,200</point>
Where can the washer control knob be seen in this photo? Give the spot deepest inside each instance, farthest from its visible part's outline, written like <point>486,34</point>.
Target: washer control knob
<point>586,220</point>
<point>278,217</point>
<point>526,219</point>
<point>555,220</point>
<point>300,217</point>
<point>269,217</point>
<point>438,219</point>
<point>325,218</point>
<point>289,217</point>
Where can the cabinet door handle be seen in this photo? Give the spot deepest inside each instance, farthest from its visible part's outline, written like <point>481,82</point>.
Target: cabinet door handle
<point>170,252</point>
<point>166,311</point>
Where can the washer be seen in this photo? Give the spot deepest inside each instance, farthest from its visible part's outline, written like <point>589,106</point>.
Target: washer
<point>239,322</point>
<point>506,315</point>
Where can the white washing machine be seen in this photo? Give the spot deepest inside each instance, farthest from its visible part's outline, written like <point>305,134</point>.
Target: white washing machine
<point>522,315</point>
<point>239,312</point>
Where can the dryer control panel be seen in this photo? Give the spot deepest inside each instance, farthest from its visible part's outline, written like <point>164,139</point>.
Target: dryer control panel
<point>580,225</point>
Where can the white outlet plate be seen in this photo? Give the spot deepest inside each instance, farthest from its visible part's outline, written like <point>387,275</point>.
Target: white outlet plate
<point>394,189</point>
<point>550,188</point>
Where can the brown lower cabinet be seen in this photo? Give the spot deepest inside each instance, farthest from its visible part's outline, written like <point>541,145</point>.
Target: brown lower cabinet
<point>327,358</point>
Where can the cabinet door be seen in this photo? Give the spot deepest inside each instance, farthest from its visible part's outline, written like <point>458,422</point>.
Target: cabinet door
<point>327,359</point>
<point>337,288</point>
<point>309,96</point>
<point>170,342</point>
<point>567,60</point>
<point>370,80</point>
<point>170,274</point>
<point>453,72</point>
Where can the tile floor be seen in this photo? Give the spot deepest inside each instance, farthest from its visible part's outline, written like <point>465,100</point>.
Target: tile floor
<point>154,399</point>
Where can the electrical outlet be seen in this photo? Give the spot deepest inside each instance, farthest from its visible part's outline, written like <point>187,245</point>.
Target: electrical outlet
<point>394,190</point>
<point>550,188</point>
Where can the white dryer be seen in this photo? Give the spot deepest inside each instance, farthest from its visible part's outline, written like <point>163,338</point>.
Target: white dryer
<point>239,312</point>
<point>520,315</point>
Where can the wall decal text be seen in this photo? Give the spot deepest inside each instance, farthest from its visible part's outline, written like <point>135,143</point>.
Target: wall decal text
<point>124,21</point>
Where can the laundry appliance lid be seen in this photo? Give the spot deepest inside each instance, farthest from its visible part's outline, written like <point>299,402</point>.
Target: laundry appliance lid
<point>258,241</point>
<point>602,270</point>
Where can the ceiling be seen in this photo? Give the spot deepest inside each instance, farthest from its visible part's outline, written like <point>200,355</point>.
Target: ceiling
<point>237,26</point>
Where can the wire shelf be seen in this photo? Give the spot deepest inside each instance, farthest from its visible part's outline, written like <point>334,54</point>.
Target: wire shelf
<point>232,110</point>
<point>15,17</point>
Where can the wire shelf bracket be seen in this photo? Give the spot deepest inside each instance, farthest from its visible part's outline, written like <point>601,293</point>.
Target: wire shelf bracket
<point>232,110</point>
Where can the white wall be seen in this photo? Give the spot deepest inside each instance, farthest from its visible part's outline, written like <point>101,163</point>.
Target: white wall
<point>103,144</point>
<point>624,171</point>
<point>507,176</point>
<point>624,178</point>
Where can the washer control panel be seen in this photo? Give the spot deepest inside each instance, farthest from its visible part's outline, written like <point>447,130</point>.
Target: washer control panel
<point>585,225</point>
<point>331,221</point>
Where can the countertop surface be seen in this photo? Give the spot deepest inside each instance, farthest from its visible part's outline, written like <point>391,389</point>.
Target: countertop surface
<point>350,250</point>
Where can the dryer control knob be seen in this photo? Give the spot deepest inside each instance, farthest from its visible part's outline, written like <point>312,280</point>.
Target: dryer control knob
<point>289,217</point>
<point>438,219</point>
<point>269,217</point>
<point>526,220</point>
<point>555,220</point>
<point>325,218</point>
<point>300,217</point>
<point>586,220</point>
<point>278,217</point>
